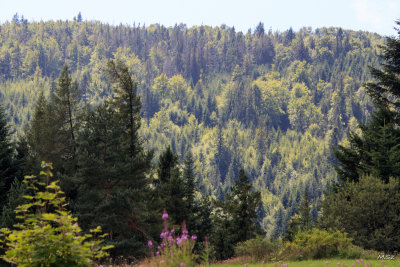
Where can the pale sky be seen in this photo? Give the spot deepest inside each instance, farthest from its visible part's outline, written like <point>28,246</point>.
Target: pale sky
<point>370,15</point>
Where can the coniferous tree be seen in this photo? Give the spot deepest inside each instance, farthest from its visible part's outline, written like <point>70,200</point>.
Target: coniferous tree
<point>64,104</point>
<point>40,135</point>
<point>376,151</point>
<point>7,168</point>
<point>242,203</point>
<point>170,187</point>
<point>113,189</point>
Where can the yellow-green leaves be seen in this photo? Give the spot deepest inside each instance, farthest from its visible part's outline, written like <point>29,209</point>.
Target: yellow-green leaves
<point>48,235</point>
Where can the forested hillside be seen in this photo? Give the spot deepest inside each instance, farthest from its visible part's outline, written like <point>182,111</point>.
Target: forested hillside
<point>273,103</point>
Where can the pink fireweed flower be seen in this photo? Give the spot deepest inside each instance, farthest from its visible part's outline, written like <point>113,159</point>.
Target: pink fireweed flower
<point>149,243</point>
<point>165,215</point>
<point>357,261</point>
<point>284,265</point>
<point>182,264</point>
<point>178,241</point>
<point>246,265</point>
<point>194,237</point>
<point>158,253</point>
<point>163,235</point>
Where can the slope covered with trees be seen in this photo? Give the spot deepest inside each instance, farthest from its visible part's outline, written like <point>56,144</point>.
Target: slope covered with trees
<point>272,103</point>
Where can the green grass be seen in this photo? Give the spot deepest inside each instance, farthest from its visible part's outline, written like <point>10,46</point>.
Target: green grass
<point>318,263</point>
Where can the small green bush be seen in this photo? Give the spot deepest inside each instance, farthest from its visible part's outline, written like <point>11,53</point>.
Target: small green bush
<point>257,249</point>
<point>316,244</point>
<point>48,235</point>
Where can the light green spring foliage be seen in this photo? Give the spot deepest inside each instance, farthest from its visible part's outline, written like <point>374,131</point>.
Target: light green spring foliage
<point>47,234</point>
<point>316,244</point>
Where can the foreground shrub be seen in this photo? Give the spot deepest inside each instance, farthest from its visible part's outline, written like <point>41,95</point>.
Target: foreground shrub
<point>316,244</point>
<point>48,235</point>
<point>374,224</point>
<point>257,249</point>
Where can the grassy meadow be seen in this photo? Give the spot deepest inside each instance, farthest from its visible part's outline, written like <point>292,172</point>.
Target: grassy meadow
<point>317,263</point>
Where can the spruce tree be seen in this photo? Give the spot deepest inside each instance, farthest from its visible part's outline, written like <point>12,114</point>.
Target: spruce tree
<point>113,188</point>
<point>7,168</point>
<point>64,104</point>
<point>242,203</point>
<point>376,151</point>
<point>170,187</point>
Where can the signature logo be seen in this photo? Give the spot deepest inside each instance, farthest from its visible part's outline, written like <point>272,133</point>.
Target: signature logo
<point>386,256</point>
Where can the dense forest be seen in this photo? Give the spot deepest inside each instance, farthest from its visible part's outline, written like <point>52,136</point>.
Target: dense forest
<point>212,105</point>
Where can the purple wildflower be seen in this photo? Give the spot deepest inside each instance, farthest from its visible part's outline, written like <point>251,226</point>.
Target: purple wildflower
<point>165,215</point>
<point>194,237</point>
<point>149,243</point>
<point>163,235</point>
<point>178,241</point>
<point>182,264</point>
<point>158,253</point>
<point>246,265</point>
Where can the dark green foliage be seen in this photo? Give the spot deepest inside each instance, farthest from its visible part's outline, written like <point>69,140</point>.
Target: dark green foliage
<point>386,90</point>
<point>375,152</point>
<point>170,187</point>
<point>127,102</point>
<point>14,199</point>
<point>371,216</point>
<point>64,108</point>
<point>113,190</point>
<point>301,221</point>
<point>7,168</point>
<point>242,203</point>
<point>236,219</point>
<point>41,135</point>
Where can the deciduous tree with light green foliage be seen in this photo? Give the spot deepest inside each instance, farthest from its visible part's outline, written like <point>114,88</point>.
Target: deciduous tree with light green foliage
<point>47,234</point>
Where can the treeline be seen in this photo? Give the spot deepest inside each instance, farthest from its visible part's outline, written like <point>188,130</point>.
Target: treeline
<point>272,103</point>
